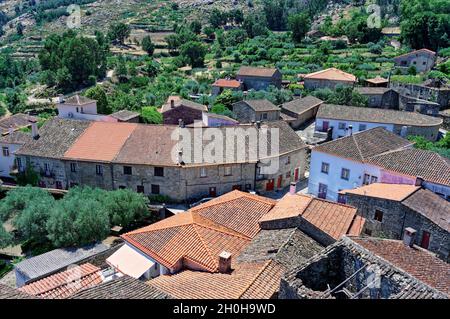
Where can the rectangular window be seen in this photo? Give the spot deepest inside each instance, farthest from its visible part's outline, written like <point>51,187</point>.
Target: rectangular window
<point>345,174</point>
<point>378,216</point>
<point>341,126</point>
<point>366,179</point>
<point>264,116</point>
<point>362,127</point>
<point>73,167</point>
<point>322,191</point>
<point>19,164</point>
<point>373,179</point>
<point>228,171</point>
<point>325,168</point>
<point>155,189</point>
<point>47,167</point>
<point>140,188</point>
<point>99,169</point>
<point>159,171</point>
<point>203,172</point>
<point>5,151</point>
<point>127,170</point>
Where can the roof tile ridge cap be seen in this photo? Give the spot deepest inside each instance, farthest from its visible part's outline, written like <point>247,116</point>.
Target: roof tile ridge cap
<point>362,221</point>
<point>214,202</point>
<point>135,126</point>
<point>410,194</point>
<point>265,265</point>
<point>217,227</point>
<point>311,199</point>
<point>334,203</point>
<point>144,229</point>
<point>357,147</point>
<point>208,251</point>
<point>400,149</point>
<point>390,264</point>
<point>263,199</point>
<point>66,276</point>
<point>149,252</point>
<point>78,138</point>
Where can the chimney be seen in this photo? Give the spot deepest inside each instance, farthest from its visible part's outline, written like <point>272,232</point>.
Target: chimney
<point>180,123</point>
<point>224,262</point>
<point>408,236</point>
<point>292,188</point>
<point>350,130</point>
<point>34,129</point>
<point>419,181</point>
<point>10,129</point>
<point>172,103</point>
<point>180,157</point>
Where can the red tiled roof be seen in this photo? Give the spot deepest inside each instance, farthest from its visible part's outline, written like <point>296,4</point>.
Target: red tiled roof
<point>332,74</point>
<point>397,192</point>
<point>66,283</point>
<point>332,218</point>
<point>247,281</point>
<point>416,261</point>
<point>201,234</point>
<point>112,136</point>
<point>227,83</point>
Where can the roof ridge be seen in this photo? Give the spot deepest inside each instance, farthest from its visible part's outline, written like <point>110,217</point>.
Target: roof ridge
<point>77,139</point>
<point>124,142</point>
<point>220,228</point>
<point>208,251</point>
<point>357,147</point>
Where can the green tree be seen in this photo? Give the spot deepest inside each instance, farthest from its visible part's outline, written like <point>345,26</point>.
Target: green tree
<point>147,45</point>
<point>222,110</point>
<point>217,18</point>
<point>5,237</point>
<point>119,32</point>
<point>195,27</point>
<point>98,93</point>
<point>152,68</point>
<point>151,115</point>
<point>18,199</point>
<point>19,29</point>
<point>79,219</point>
<point>299,25</point>
<point>194,53</point>
<point>125,206</point>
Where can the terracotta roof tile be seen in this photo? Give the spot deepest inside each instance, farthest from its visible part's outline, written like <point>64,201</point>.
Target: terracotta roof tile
<point>332,74</point>
<point>226,83</point>
<point>377,80</point>
<point>66,283</point>
<point>397,192</point>
<point>247,280</point>
<point>416,261</point>
<point>101,141</point>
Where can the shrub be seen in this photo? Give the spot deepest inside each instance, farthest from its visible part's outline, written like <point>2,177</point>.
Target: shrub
<point>151,115</point>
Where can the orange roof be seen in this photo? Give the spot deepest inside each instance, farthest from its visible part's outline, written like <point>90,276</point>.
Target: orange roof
<point>334,219</point>
<point>227,83</point>
<point>237,210</point>
<point>66,283</point>
<point>377,80</point>
<point>332,74</point>
<point>201,234</point>
<point>112,136</point>
<point>247,281</point>
<point>397,192</point>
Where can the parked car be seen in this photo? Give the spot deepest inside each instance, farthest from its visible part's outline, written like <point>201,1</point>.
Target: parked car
<point>201,201</point>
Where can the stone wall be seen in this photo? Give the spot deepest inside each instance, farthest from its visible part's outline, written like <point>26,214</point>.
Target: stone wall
<point>429,132</point>
<point>86,174</point>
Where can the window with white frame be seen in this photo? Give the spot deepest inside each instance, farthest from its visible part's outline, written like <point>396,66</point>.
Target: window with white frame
<point>203,172</point>
<point>5,150</point>
<point>325,168</point>
<point>345,174</point>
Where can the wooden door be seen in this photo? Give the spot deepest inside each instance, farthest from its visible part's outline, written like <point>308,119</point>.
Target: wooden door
<point>270,185</point>
<point>425,240</point>
<point>323,191</point>
<point>296,175</point>
<point>279,181</point>
<point>325,126</point>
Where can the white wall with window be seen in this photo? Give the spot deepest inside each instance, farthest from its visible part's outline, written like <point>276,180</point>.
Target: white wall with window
<point>330,174</point>
<point>340,126</point>
<point>7,158</point>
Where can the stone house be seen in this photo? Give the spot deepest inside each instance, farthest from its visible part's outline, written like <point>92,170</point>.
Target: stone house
<point>15,122</point>
<point>438,96</point>
<point>344,120</point>
<point>184,110</point>
<point>389,209</point>
<point>249,111</point>
<point>377,81</point>
<point>153,160</point>
<point>301,110</point>
<point>329,78</point>
<point>380,97</point>
<point>423,60</point>
<point>392,269</point>
<point>259,78</point>
<point>374,155</point>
